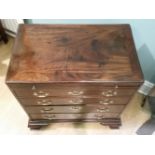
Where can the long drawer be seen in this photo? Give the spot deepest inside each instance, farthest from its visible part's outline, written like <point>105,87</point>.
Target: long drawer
<point>74,101</point>
<point>75,109</point>
<point>89,116</point>
<point>24,92</point>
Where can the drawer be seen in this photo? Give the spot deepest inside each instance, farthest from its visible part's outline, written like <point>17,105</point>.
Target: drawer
<point>74,101</point>
<point>91,108</point>
<point>90,116</point>
<point>83,91</point>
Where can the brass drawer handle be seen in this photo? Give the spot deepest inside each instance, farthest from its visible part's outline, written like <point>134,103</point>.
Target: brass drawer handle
<point>103,110</point>
<point>33,87</point>
<point>99,116</point>
<point>76,101</point>
<point>109,93</point>
<point>106,102</point>
<point>44,102</point>
<point>48,116</point>
<point>76,107</point>
<point>45,112</point>
<point>40,94</point>
<point>75,92</point>
<point>47,109</point>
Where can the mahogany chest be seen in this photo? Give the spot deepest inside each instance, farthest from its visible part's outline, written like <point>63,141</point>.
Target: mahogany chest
<point>74,73</point>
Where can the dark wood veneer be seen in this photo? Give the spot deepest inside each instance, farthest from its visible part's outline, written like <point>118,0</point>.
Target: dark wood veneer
<point>74,101</point>
<point>75,109</point>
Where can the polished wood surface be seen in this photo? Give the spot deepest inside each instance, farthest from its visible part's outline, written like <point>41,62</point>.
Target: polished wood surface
<point>74,101</point>
<point>74,91</point>
<point>74,73</point>
<point>61,53</point>
<point>92,108</point>
<point>67,117</point>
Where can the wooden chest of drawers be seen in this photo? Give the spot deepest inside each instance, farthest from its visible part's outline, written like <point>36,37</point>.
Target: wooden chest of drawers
<point>74,73</point>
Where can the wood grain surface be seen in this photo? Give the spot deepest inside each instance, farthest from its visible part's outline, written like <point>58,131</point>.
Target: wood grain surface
<point>56,53</point>
<point>89,108</point>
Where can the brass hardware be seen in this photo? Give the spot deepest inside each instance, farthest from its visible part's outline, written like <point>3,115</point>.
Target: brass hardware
<point>33,87</point>
<point>76,107</point>
<point>99,116</point>
<point>40,94</point>
<point>47,110</point>
<point>45,102</point>
<point>75,92</point>
<point>76,101</point>
<point>110,93</point>
<point>106,102</point>
<point>49,116</point>
<point>103,110</point>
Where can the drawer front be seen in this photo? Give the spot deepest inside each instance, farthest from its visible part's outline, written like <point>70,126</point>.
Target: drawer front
<point>74,101</point>
<point>75,109</point>
<point>43,92</point>
<point>90,116</point>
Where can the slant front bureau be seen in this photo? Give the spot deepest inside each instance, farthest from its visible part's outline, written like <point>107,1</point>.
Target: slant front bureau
<point>74,73</point>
